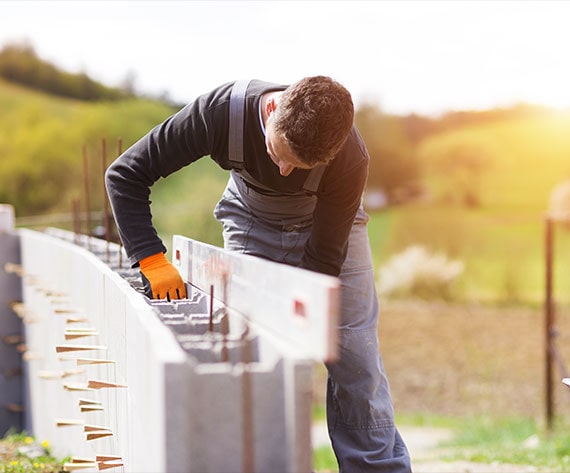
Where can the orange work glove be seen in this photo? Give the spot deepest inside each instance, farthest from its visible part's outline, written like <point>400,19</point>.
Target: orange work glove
<point>161,279</point>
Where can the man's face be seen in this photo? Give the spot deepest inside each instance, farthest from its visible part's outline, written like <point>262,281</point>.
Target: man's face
<point>280,152</point>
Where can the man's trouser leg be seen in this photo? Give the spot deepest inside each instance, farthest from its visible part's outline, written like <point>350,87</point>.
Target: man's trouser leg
<point>359,406</point>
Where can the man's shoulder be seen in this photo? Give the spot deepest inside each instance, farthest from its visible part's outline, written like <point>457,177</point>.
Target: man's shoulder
<point>259,87</point>
<point>354,150</point>
<point>221,93</point>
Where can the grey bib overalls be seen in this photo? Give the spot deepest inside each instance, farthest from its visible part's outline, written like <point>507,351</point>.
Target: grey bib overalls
<point>360,415</point>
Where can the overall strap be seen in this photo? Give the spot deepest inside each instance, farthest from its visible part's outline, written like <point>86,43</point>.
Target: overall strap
<point>237,118</point>
<point>313,180</point>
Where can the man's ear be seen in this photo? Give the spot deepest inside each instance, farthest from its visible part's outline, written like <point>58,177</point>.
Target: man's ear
<point>270,106</point>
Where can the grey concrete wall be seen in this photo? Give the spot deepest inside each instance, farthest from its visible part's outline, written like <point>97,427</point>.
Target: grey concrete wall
<point>11,389</point>
<point>236,399</point>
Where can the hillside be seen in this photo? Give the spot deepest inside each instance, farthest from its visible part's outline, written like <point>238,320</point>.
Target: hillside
<point>42,138</point>
<point>510,163</point>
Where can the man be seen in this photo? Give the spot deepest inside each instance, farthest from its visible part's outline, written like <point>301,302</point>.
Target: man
<point>292,136</point>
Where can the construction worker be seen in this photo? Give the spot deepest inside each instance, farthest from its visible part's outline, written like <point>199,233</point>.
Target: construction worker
<point>298,168</point>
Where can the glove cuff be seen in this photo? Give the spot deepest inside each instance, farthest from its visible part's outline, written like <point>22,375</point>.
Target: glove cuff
<point>153,261</point>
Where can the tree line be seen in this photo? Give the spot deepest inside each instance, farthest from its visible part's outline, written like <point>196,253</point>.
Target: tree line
<point>20,64</point>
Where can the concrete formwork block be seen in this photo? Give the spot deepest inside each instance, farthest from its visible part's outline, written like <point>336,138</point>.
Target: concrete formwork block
<point>157,374</point>
<point>215,412</point>
<point>303,312</point>
<point>199,395</point>
<point>298,394</point>
<point>11,329</point>
<point>230,404</point>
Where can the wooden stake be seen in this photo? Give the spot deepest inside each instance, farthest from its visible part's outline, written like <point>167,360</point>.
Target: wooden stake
<point>93,361</point>
<point>75,320</point>
<point>19,308</point>
<point>69,373</point>
<point>50,374</point>
<point>96,384</point>
<point>66,348</point>
<point>98,435</point>
<point>95,428</point>
<point>78,466</point>
<point>13,339</point>
<point>68,422</point>
<point>107,458</point>
<point>87,405</point>
<point>67,310</point>
<point>73,334</point>
<point>13,268</point>
<point>91,408</point>
<point>82,460</point>
<point>16,408</point>
<point>76,387</point>
<point>31,355</point>
<point>89,402</point>
<point>106,466</point>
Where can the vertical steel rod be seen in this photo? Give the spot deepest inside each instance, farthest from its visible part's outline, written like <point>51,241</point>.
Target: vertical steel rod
<point>248,460</point>
<point>548,321</point>
<point>75,217</point>
<point>225,321</point>
<point>87,202</point>
<point>119,152</point>
<point>211,317</point>
<point>105,201</point>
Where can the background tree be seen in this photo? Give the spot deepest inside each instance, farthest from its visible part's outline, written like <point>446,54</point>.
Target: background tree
<point>393,167</point>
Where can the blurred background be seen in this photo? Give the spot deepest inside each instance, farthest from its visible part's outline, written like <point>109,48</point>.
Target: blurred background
<point>465,109</point>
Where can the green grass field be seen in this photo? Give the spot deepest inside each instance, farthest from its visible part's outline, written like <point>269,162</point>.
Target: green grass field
<point>503,254</point>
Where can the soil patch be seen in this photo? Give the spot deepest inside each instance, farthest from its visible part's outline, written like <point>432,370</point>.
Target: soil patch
<point>470,360</point>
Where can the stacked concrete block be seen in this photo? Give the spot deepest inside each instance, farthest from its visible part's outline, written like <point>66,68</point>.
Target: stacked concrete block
<point>193,386</point>
<point>11,332</point>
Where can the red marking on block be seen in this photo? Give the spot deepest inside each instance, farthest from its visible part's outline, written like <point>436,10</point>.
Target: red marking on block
<point>299,309</point>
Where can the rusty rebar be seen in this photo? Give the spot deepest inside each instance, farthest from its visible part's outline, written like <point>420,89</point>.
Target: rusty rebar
<point>211,315</point>
<point>87,200</point>
<point>75,220</point>
<point>225,320</point>
<point>119,152</point>
<point>105,201</point>
<point>248,459</point>
<point>548,321</point>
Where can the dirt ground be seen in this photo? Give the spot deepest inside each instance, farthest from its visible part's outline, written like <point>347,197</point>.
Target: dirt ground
<point>463,361</point>
<point>469,360</point>
<point>456,360</point>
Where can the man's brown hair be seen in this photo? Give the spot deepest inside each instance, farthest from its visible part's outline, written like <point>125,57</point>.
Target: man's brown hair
<point>315,116</point>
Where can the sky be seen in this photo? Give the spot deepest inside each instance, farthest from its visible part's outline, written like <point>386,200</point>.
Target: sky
<point>426,57</point>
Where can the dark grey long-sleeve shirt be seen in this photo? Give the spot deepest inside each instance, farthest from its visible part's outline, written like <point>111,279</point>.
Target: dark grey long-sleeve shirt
<point>201,129</point>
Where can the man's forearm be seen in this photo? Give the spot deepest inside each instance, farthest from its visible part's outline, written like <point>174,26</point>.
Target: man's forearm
<point>131,209</point>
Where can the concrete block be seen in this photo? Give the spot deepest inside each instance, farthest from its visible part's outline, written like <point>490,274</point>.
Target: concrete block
<point>11,329</point>
<point>303,311</point>
<point>209,386</point>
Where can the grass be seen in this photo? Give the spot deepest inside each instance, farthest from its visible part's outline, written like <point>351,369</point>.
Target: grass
<point>486,440</point>
<point>502,250</point>
<point>183,204</point>
<point>20,453</point>
<point>514,440</point>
